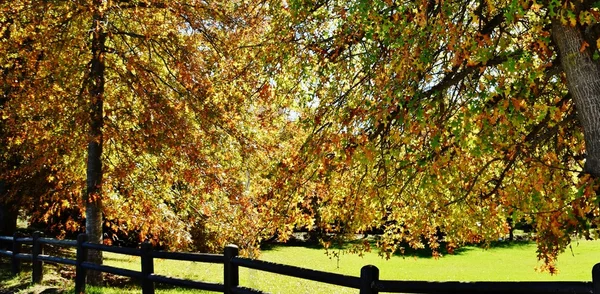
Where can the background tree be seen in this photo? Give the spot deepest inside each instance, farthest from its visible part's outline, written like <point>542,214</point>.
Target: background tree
<point>16,190</point>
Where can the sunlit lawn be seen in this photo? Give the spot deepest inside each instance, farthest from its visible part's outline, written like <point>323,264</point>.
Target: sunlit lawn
<point>514,262</point>
<point>506,262</point>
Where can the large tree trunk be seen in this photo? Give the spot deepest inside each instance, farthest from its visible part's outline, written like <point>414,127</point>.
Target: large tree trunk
<point>95,91</point>
<point>583,81</point>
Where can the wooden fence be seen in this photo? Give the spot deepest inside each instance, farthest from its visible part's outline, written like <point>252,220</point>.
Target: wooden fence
<point>367,283</point>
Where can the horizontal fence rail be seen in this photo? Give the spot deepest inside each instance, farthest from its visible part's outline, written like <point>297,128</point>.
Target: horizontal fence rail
<point>185,256</point>
<point>61,243</point>
<point>113,249</point>
<point>25,240</point>
<point>367,283</point>
<point>59,260</point>
<point>112,270</point>
<point>299,272</point>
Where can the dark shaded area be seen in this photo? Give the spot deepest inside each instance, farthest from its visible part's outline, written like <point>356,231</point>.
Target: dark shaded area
<point>8,219</point>
<point>370,241</point>
<point>5,274</point>
<point>24,280</point>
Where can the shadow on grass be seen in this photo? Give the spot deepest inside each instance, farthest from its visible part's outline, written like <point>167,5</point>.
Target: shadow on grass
<point>10,283</point>
<point>428,252</point>
<point>275,246</point>
<point>53,282</point>
<point>405,251</point>
<point>510,244</point>
<point>130,285</point>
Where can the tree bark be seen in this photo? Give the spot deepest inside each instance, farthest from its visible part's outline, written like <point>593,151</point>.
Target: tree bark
<point>583,81</point>
<point>95,91</point>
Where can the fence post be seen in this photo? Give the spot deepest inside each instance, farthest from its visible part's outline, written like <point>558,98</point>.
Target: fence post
<point>368,275</point>
<point>80,271</point>
<point>596,278</point>
<point>16,249</point>
<point>231,275</point>
<point>147,268</point>
<point>37,273</point>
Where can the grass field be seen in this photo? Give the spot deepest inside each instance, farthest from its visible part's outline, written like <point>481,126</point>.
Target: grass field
<point>504,262</point>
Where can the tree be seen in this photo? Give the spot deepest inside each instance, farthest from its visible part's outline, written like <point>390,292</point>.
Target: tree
<point>428,119</point>
<point>177,115</point>
<point>448,116</point>
<point>15,192</point>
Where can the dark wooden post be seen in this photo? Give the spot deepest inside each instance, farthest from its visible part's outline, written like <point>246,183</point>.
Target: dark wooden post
<point>368,275</point>
<point>596,278</point>
<point>37,265</point>
<point>231,273</point>
<point>16,249</point>
<point>147,268</point>
<point>80,272</point>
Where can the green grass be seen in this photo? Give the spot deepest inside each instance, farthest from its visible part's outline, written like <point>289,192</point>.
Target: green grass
<point>504,262</point>
<point>512,262</point>
<point>21,283</point>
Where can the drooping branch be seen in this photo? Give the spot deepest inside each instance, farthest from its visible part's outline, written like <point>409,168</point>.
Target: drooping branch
<point>450,79</point>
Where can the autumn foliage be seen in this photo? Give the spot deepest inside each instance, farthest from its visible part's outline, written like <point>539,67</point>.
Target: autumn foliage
<point>444,116</point>
<point>434,122</point>
<point>188,119</point>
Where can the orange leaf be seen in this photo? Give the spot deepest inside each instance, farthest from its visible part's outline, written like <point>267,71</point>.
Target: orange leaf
<point>583,46</point>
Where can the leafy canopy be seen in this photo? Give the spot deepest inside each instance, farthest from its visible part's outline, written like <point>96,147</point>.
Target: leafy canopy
<point>244,119</point>
<point>189,119</point>
<point>429,117</point>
